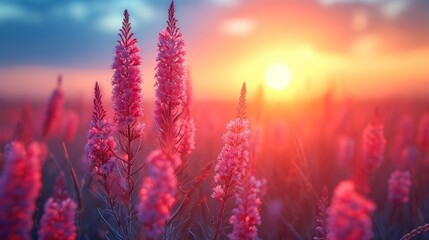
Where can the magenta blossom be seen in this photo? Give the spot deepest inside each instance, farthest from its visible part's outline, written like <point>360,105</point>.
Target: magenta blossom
<point>245,217</point>
<point>100,146</point>
<point>187,144</point>
<point>157,194</point>
<point>373,143</point>
<point>127,98</point>
<point>58,220</point>
<point>170,82</point>
<point>53,110</point>
<point>399,186</point>
<point>20,184</point>
<point>234,157</point>
<point>349,215</point>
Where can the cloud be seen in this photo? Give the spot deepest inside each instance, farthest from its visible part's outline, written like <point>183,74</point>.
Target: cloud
<point>15,12</point>
<point>239,26</point>
<point>389,9</point>
<point>109,23</point>
<point>107,17</point>
<point>366,44</point>
<point>360,20</point>
<point>393,9</point>
<point>330,2</point>
<point>99,14</point>
<point>78,10</point>
<point>226,3</point>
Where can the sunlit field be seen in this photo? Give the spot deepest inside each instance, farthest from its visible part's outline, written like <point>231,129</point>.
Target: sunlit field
<point>214,120</point>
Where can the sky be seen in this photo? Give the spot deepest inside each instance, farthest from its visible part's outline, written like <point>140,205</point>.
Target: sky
<point>362,48</point>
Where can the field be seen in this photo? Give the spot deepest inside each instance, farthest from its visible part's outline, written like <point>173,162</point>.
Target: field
<point>277,160</point>
<point>293,141</point>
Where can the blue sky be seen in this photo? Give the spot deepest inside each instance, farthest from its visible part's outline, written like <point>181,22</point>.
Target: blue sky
<point>76,33</point>
<point>82,33</point>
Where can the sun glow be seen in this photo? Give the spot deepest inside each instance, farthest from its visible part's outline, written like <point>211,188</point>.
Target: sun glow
<point>278,77</point>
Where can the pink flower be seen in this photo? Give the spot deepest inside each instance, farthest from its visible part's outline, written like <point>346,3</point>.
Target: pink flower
<point>127,97</point>
<point>322,205</point>
<point>71,126</point>
<point>399,186</point>
<point>373,143</point>
<point>345,149</point>
<point>187,144</point>
<point>100,146</point>
<point>24,130</point>
<point>58,220</point>
<point>157,194</point>
<point>349,215</point>
<point>170,83</point>
<point>234,157</point>
<point>54,110</point>
<point>20,184</point>
<point>245,217</point>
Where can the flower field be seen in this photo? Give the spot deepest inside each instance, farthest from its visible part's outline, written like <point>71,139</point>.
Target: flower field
<point>119,166</point>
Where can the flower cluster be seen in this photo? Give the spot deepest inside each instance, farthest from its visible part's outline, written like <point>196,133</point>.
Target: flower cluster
<point>188,141</point>
<point>187,145</point>
<point>373,143</point>
<point>399,186</point>
<point>58,220</point>
<point>20,184</point>
<point>54,110</point>
<point>245,217</point>
<point>349,215</point>
<point>322,206</point>
<point>157,192</point>
<point>127,98</point>
<point>170,82</point>
<point>100,145</point>
<point>233,158</point>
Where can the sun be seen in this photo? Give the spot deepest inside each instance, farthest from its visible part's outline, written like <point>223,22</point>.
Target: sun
<point>278,76</point>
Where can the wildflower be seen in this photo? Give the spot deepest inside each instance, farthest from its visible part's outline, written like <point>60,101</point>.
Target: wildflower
<point>349,215</point>
<point>188,125</point>
<point>402,138</point>
<point>54,110</point>
<point>188,140</point>
<point>245,217</point>
<point>100,145</point>
<point>20,184</point>
<point>127,97</point>
<point>58,220</point>
<point>345,149</point>
<point>322,205</point>
<point>399,186</point>
<point>234,156</point>
<point>157,193</point>
<point>170,83</point>
<point>23,131</point>
<point>408,158</point>
<point>373,143</point>
<point>71,126</point>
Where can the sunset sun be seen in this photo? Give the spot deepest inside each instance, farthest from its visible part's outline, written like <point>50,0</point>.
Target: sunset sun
<point>278,76</point>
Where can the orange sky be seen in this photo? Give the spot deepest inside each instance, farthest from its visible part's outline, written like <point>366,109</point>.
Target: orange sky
<point>355,47</point>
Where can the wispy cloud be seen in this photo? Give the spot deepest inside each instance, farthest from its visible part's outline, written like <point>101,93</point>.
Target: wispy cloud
<point>238,26</point>
<point>14,12</point>
<point>104,15</point>
<point>226,3</point>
